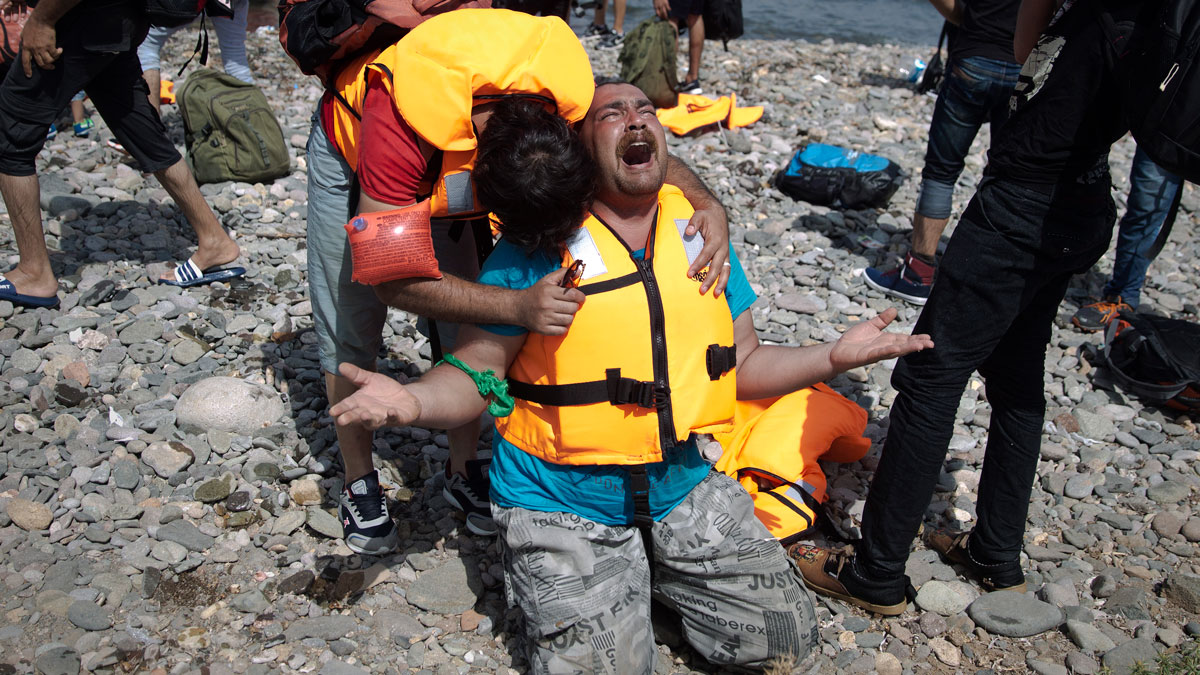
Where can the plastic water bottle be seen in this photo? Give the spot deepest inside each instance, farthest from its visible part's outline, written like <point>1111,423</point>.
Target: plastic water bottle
<point>912,72</point>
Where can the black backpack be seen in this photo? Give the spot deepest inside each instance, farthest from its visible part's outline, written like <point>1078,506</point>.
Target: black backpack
<point>723,20</point>
<point>1161,77</point>
<point>172,13</point>
<point>1154,358</point>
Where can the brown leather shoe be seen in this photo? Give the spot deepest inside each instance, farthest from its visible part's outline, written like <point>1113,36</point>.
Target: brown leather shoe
<point>833,573</point>
<point>952,547</point>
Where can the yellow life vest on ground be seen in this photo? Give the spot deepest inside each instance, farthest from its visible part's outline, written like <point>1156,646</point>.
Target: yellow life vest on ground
<point>647,361</point>
<point>452,62</point>
<point>774,448</point>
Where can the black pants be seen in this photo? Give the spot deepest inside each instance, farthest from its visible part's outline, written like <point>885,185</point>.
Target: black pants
<point>113,80</point>
<point>997,291</point>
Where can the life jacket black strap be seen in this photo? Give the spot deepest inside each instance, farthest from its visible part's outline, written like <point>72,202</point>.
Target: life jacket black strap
<point>720,360</point>
<point>639,488</point>
<point>612,389</point>
<point>611,284</point>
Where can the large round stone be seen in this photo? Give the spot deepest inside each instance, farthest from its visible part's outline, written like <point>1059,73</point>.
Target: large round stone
<point>1014,614</point>
<point>29,515</point>
<point>228,404</point>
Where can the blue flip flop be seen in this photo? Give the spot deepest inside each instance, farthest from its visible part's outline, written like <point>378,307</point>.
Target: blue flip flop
<point>9,292</point>
<point>188,274</point>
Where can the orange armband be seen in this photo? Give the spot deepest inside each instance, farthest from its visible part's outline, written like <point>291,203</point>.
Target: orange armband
<point>391,245</point>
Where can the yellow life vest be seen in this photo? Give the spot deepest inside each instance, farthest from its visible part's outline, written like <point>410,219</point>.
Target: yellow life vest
<point>647,360</point>
<point>452,62</point>
<point>774,449</point>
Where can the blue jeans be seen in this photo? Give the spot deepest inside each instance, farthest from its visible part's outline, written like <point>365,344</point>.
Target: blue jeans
<point>1151,192</point>
<point>976,90</point>
<point>231,38</point>
<point>999,285</point>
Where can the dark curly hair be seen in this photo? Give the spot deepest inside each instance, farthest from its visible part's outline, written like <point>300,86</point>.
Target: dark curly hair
<point>535,174</point>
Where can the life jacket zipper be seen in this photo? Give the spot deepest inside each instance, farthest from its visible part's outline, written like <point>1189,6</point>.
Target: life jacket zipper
<point>658,335</point>
<point>658,332</point>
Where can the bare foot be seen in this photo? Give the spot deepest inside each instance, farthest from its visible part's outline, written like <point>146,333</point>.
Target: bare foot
<point>25,284</point>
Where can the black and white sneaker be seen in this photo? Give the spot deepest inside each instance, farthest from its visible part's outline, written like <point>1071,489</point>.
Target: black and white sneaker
<point>469,494</point>
<point>692,87</point>
<point>595,31</point>
<point>611,41</point>
<point>366,525</point>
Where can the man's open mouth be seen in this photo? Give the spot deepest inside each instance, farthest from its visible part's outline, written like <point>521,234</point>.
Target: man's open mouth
<point>638,153</point>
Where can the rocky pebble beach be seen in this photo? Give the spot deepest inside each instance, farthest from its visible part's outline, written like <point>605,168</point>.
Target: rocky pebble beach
<point>169,472</point>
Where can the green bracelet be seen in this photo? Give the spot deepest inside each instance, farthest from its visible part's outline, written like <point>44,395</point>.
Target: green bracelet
<point>501,403</point>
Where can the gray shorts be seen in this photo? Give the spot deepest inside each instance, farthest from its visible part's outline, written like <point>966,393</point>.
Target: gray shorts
<point>348,316</point>
<point>585,588</point>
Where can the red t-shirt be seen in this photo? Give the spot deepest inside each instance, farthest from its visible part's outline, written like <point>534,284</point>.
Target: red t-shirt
<point>390,163</point>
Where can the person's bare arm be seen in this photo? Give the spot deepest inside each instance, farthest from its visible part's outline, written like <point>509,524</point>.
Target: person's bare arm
<point>710,220</point>
<point>951,10</point>
<point>39,38</point>
<point>1032,19</point>
<point>444,398</point>
<point>773,370</point>
<point>542,308</point>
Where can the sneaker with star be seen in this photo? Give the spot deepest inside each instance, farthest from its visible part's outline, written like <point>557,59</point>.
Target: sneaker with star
<point>367,526</point>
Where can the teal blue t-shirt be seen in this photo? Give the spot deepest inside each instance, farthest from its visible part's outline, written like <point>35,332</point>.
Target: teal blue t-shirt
<point>601,492</point>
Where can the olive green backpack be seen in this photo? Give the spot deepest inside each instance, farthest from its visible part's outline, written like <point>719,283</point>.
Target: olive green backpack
<point>648,61</point>
<point>230,131</point>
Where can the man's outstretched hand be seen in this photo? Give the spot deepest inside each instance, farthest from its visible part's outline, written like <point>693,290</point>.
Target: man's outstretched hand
<point>379,402</point>
<point>548,308</point>
<point>867,342</point>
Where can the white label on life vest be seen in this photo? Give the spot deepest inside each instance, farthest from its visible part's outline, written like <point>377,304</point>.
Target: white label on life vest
<point>691,245</point>
<point>583,247</point>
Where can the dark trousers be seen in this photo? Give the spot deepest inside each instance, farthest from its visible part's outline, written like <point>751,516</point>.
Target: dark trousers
<point>113,80</point>
<point>997,291</point>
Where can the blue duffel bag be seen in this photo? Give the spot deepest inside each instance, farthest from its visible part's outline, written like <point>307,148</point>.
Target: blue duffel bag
<point>828,175</point>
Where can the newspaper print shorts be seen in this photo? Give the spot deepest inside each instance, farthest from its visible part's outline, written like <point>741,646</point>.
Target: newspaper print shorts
<point>585,588</point>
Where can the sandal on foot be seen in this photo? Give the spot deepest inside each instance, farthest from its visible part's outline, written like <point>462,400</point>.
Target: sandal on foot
<point>188,274</point>
<point>8,292</point>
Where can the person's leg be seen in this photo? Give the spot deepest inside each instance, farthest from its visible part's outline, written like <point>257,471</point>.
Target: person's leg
<point>348,319</point>
<point>1076,231</point>
<point>695,24</point>
<point>214,245</point>
<point>599,15</point>
<point>974,89</point>
<point>1151,193</point>
<point>989,269</point>
<point>584,589</point>
<point>619,17</point>
<point>121,97</point>
<point>150,56</point>
<point>718,567</point>
<point>33,274</point>
<point>28,106</point>
<point>1017,398</point>
<point>467,478</point>
<point>231,38</point>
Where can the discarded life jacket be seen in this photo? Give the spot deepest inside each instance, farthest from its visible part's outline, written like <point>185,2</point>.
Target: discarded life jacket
<point>320,34</point>
<point>774,448</point>
<point>648,359</point>
<point>448,64</point>
<point>696,112</point>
